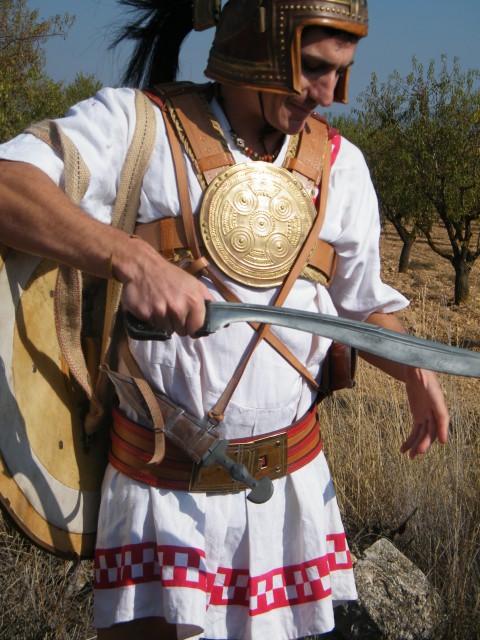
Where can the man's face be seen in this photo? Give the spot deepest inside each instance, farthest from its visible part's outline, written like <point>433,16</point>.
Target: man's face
<point>324,59</point>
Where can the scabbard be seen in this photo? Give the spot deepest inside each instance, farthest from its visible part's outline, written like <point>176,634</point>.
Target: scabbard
<point>196,438</point>
<point>191,435</point>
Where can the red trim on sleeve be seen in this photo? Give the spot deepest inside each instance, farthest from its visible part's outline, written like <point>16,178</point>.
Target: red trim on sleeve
<point>336,143</point>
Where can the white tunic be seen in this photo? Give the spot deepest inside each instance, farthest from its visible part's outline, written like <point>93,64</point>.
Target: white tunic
<point>217,565</point>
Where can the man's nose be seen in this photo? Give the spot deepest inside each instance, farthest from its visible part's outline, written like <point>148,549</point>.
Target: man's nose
<point>322,90</point>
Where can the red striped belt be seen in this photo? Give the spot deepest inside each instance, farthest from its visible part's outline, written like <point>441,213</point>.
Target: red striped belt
<point>274,455</point>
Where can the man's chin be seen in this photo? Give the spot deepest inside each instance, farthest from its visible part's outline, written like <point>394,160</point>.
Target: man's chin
<point>296,126</point>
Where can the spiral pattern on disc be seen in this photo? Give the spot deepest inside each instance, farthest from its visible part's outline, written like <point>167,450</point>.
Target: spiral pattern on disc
<point>253,220</point>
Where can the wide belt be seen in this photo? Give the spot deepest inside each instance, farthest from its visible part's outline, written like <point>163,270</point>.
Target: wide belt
<point>274,455</point>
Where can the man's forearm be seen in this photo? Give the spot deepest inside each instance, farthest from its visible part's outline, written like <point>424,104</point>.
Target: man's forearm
<point>37,217</point>
<point>394,369</point>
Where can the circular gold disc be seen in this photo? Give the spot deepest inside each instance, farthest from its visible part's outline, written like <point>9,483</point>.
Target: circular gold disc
<point>253,220</point>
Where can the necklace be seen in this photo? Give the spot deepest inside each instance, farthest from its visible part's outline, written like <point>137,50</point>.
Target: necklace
<point>250,153</point>
<point>240,142</point>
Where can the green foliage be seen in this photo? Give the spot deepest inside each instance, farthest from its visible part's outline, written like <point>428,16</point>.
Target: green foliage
<point>81,88</point>
<point>27,94</point>
<point>421,137</point>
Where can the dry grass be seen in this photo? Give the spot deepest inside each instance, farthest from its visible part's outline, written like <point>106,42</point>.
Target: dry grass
<point>41,597</point>
<point>429,507</point>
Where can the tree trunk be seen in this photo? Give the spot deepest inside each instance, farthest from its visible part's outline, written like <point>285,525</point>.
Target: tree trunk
<point>404,261</point>
<point>462,286</point>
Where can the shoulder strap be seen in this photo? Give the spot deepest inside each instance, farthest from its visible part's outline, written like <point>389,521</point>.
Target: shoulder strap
<point>124,217</point>
<point>187,107</point>
<point>307,164</point>
<point>218,411</point>
<point>77,175</point>
<point>202,262</point>
<point>189,121</point>
<point>205,144</point>
<point>196,128</point>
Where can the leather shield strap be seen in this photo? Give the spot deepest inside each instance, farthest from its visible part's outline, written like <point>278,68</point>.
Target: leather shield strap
<point>274,455</point>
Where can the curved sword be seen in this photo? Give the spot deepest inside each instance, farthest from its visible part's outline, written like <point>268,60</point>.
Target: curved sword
<point>399,347</point>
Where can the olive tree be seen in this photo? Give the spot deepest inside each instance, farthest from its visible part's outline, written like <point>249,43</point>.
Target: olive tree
<point>398,200</point>
<point>27,94</point>
<point>421,136</point>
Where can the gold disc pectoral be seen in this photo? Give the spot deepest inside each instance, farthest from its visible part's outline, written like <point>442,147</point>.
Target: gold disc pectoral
<point>253,220</point>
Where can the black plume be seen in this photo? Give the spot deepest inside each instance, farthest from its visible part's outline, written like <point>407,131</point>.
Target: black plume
<point>159,28</point>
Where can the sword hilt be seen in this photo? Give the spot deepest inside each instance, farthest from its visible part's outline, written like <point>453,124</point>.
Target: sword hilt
<point>261,490</point>
<point>140,330</point>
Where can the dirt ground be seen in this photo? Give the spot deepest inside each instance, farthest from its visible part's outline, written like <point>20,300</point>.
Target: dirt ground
<point>429,285</point>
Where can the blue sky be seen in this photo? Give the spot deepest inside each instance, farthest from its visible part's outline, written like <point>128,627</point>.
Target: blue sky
<point>399,29</point>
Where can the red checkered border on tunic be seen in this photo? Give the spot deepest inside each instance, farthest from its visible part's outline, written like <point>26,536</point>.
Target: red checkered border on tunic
<point>185,567</point>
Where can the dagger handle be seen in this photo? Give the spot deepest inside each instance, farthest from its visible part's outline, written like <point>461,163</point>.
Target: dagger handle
<point>261,489</point>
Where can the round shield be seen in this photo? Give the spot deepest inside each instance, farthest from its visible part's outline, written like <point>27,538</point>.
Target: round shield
<point>49,484</point>
<point>253,220</point>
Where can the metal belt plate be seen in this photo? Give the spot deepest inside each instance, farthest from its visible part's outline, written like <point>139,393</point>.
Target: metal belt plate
<point>266,457</point>
<point>254,220</point>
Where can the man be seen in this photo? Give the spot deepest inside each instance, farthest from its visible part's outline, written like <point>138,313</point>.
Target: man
<point>175,563</point>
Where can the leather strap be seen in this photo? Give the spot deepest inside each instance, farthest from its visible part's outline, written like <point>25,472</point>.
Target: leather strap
<point>189,112</point>
<point>69,286</point>
<point>183,193</point>
<point>211,157</point>
<point>190,116</point>
<point>168,236</point>
<point>210,270</point>
<point>307,165</point>
<point>218,410</point>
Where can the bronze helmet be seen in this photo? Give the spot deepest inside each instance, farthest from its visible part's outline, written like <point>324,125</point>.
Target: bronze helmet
<point>257,42</point>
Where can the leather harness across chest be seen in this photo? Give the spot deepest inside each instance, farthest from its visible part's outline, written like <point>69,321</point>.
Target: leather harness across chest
<point>187,241</point>
<point>188,118</point>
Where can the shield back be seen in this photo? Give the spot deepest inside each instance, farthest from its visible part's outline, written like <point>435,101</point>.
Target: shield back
<point>49,483</point>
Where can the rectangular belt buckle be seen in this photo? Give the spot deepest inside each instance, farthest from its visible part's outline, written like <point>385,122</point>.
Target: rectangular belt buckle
<point>262,457</point>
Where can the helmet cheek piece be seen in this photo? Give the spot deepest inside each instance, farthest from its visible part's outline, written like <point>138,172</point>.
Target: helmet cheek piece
<point>341,90</point>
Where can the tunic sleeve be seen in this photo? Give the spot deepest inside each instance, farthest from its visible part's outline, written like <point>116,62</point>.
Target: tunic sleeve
<point>353,226</point>
<point>101,128</point>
